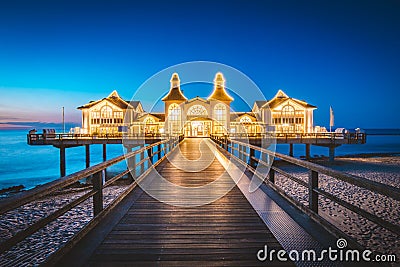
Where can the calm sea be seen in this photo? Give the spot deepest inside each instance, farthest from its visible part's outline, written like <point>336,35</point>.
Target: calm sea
<point>21,164</point>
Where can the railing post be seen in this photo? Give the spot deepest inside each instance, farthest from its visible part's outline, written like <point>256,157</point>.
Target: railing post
<point>226,143</point>
<point>132,163</point>
<point>150,154</point>
<point>312,195</point>
<point>159,152</point>
<point>98,196</point>
<point>271,175</point>
<point>252,162</point>
<point>142,162</point>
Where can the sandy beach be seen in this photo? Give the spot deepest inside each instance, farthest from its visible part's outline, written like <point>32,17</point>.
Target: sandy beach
<point>35,249</point>
<point>384,169</point>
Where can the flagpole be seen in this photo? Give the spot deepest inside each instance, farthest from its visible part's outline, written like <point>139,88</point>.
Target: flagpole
<point>331,118</point>
<point>63,119</point>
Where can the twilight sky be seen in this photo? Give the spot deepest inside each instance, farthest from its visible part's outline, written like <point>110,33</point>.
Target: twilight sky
<point>66,53</point>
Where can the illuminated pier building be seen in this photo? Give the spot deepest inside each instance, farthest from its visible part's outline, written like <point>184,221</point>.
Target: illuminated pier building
<point>198,116</point>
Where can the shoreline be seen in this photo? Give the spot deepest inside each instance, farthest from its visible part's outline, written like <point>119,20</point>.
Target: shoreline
<point>15,189</point>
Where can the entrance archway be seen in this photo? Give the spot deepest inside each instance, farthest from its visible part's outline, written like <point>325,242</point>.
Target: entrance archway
<point>199,127</point>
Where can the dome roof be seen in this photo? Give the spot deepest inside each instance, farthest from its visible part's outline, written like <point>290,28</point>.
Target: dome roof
<point>219,92</point>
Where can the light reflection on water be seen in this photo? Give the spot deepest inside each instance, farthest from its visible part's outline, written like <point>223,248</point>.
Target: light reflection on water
<point>33,165</point>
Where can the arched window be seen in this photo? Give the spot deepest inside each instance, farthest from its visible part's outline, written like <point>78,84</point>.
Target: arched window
<point>106,112</point>
<point>288,111</point>
<point>197,110</point>
<point>220,117</point>
<point>150,126</point>
<point>174,118</point>
<point>149,120</point>
<point>245,119</point>
<point>288,114</point>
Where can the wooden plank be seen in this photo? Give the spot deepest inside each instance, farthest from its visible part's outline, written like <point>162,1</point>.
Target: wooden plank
<point>227,231</point>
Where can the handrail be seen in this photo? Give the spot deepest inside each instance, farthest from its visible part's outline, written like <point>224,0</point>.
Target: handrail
<point>32,137</point>
<point>312,184</point>
<point>96,172</point>
<point>350,137</point>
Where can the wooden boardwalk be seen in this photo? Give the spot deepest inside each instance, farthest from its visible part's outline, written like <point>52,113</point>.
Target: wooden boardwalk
<point>225,232</point>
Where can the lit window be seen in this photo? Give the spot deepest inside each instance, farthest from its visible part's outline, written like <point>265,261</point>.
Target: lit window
<point>245,119</point>
<point>149,120</point>
<point>106,112</point>
<point>174,118</point>
<point>220,117</point>
<point>197,110</point>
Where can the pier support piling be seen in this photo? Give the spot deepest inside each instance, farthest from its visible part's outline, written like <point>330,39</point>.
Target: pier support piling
<point>331,153</point>
<point>87,150</point>
<point>62,161</point>
<point>308,151</point>
<point>291,150</point>
<point>104,152</point>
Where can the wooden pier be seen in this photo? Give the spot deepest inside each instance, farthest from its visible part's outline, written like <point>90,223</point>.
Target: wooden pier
<point>151,232</point>
<point>64,141</point>
<point>136,229</point>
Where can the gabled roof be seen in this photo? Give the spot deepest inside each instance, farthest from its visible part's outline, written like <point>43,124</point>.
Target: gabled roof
<point>281,97</point>
<point>260,103</point>
<point>160,116</point>
<point>113,98</point>
<point>134,104</point>
<point>198,98</point>
<point>235,115</point>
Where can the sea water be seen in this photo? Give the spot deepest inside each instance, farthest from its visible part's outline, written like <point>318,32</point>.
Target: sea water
<point>21,164</point>
<point>376,144</point>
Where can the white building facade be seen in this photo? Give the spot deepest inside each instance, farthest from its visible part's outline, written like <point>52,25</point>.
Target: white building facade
<point>197,117</point>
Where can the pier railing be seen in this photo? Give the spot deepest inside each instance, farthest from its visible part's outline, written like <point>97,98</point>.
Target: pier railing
<point>33,138</point>
<point>351,138</point>
<point>245,154</point>
<point>141,161</point>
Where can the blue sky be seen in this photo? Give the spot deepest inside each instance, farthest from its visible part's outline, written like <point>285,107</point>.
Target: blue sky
<point>66,53</point>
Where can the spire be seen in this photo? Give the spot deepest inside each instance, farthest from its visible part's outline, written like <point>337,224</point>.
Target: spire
<point>281,94</point>
<point>219,92</point>
<point>175,93</point>
<point>113,94</point>
<point>175,82</point>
